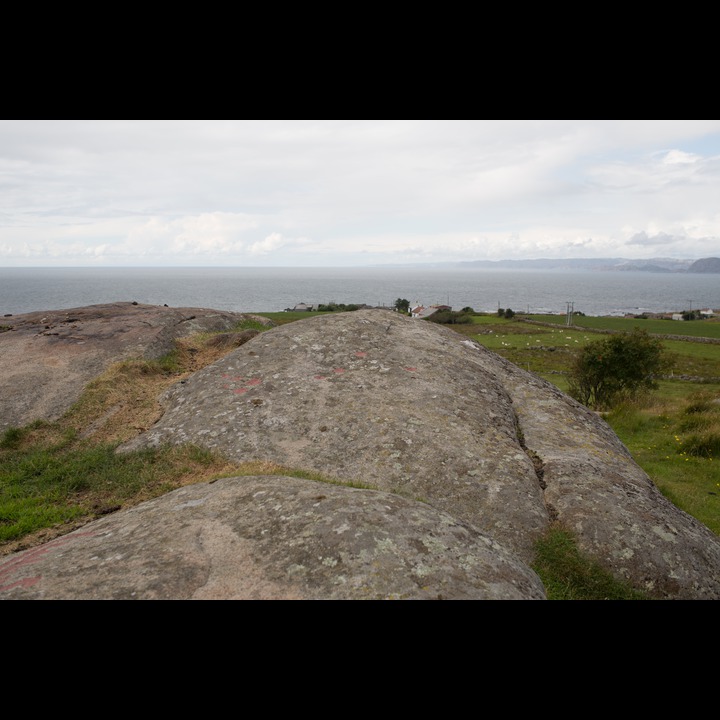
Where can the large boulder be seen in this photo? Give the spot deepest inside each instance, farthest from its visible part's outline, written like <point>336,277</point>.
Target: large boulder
<point>47,358</point>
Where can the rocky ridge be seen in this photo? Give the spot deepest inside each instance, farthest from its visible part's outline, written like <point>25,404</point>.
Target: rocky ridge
<point>443,464</point>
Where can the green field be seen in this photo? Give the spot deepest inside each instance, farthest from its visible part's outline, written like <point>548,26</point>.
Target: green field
<point>709,328</point>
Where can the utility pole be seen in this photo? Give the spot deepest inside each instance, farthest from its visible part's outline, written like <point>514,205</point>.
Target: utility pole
<point>570,311</point>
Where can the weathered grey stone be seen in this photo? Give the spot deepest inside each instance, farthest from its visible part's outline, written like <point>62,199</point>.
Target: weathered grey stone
<point>471,459</point>
<point>48,357</point>
<point>414,408</point>
<point>374,397</point>
<point>271,538</point>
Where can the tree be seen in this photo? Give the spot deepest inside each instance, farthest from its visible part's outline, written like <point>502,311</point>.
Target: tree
<point>402,305</point>
<point>618,368</point>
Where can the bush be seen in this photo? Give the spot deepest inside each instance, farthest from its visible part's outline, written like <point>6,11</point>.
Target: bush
<point>450,317</point>
<point>337,307</point>
<point>617,369</point>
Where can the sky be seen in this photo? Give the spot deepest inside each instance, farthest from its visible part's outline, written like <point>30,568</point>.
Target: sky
<point>311,193</point>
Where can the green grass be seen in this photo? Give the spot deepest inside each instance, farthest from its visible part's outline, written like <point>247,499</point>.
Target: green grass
<point>568,575</point>
<point>678,446</point>
<point>46,484</point>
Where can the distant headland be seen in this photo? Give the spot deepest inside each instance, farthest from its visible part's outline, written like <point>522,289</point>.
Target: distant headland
<point>658,265</point>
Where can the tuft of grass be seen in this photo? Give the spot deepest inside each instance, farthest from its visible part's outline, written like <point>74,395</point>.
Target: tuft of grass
<point>568,575</point>
<point>704,445</point>
<point>12,437</point>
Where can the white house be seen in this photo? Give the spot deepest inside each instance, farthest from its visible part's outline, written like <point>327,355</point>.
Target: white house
<point>422,312</point>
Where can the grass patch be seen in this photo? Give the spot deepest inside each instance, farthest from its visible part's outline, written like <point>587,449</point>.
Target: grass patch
<point>46,491</point>
<point>568,575</point>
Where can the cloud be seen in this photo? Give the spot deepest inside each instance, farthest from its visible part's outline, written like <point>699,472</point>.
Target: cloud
<point>642,238</point>
<point>677,157</point>
<point>346,191</point>
<point>274,242</point>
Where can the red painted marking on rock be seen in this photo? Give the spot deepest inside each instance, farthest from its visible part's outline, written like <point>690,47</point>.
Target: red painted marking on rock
<point>27,582</point>
<point>9,567</point>
<point>359,353</point>
<point>254,381</point>
<point>339,370</point>
<point>410,369</point>
<point>240,391</point>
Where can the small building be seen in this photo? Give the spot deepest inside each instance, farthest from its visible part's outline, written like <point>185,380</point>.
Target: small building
<point>301,307</point>
<point>422,312</point>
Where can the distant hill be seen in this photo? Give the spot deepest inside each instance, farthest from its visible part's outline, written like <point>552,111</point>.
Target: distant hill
<point>705,265</point>
<point>662,265</point>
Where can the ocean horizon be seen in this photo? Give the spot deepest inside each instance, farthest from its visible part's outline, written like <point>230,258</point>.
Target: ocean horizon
<point>274,289</point>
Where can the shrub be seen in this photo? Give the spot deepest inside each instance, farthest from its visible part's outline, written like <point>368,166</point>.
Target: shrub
<point>617,368</point>
<point>450,317</point>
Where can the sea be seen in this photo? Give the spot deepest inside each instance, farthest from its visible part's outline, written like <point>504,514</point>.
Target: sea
<point>272,289</point>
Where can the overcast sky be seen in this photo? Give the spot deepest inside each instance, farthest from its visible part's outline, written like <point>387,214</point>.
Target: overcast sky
<point>355,192</point>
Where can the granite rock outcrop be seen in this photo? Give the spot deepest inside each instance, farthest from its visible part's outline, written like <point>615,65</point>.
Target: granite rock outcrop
<point>441,465</point>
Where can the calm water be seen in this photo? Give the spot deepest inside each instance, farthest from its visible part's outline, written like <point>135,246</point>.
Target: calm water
<point>273,289</point>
